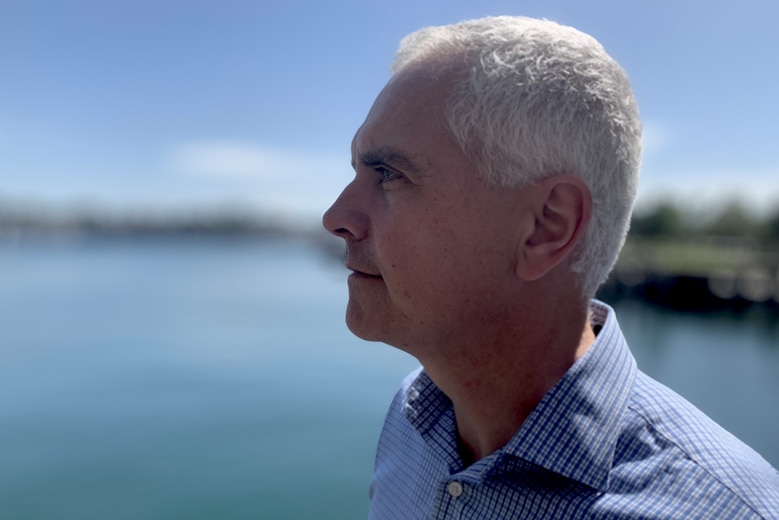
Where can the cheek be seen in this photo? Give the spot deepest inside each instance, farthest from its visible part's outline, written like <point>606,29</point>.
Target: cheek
<point>425,255</point>
<point>421,272</point>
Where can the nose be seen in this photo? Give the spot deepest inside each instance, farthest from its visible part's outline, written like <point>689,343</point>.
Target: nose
<point>345,218</point>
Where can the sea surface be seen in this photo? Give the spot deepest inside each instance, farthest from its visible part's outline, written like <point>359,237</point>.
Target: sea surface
<point>215,378</point>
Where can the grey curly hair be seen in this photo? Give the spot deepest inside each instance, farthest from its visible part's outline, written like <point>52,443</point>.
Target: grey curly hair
<point>540,99</point>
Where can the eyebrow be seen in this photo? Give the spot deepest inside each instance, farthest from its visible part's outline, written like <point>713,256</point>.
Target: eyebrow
<point>389,156</point>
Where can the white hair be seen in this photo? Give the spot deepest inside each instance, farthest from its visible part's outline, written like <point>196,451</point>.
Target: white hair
<point>539,100</point>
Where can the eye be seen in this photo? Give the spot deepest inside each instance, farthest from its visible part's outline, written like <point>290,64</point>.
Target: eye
<point>386,174</point>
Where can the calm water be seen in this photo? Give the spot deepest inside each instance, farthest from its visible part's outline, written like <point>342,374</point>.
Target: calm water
<point>215,379</point>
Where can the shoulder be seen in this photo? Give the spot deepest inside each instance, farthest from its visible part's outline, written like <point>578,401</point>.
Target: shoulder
<point>670,450</point>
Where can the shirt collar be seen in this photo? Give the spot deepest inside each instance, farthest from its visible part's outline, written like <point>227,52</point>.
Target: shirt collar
<point>573,431</point>
<point>431,413</point>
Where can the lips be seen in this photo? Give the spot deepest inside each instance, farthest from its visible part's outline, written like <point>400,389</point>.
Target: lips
<point>362,272</point>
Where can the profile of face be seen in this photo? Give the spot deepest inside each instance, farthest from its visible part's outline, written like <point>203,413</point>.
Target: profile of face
<point>432,248</point>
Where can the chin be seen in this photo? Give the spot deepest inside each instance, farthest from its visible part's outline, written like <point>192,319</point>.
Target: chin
<point>358,323</point>
<point>361,325</point>
<point>377,321</point>
<point>362,330</point>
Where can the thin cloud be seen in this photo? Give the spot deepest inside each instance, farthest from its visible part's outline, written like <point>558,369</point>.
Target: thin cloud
<point>291,182</point>
<point>232,159</point>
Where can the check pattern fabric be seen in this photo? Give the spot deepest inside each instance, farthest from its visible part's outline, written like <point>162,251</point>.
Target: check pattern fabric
<point>605,442</point>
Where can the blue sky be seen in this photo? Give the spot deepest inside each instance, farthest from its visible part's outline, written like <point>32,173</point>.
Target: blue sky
<point>178,104</point>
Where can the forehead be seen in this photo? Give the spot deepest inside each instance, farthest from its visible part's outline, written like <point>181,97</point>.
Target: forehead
<point>407,113</point>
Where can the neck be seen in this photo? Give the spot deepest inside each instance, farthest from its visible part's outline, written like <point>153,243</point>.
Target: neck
<point>496,384</point>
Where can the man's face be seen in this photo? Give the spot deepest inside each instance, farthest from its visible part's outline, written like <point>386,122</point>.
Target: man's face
<point>431,247</point>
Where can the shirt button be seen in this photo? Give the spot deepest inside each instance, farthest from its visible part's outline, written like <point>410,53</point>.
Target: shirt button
<point>455,489</point>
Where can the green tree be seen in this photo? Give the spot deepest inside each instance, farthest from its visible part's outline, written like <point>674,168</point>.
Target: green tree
<point>734,220</point>
<point>664,220</point>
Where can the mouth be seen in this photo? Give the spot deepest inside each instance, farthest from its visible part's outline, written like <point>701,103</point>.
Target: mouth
<point>363,274</point>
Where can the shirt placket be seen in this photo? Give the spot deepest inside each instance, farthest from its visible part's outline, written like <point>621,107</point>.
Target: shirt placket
<point>451,500</point>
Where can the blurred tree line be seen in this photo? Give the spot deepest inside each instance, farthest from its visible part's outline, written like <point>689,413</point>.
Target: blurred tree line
<point>670,221</point>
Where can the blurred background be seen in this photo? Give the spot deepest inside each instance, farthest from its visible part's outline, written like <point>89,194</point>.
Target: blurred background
<point>172,341</point>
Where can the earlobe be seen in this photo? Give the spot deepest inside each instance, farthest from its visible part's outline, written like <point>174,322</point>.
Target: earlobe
<point>562,211</point>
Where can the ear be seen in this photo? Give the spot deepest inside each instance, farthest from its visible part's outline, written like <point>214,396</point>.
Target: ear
<point>562,208</point>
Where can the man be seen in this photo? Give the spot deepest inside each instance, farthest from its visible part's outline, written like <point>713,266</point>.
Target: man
<point>495,175</point>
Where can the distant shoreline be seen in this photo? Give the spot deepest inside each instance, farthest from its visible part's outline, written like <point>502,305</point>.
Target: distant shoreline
<point>692,272</point>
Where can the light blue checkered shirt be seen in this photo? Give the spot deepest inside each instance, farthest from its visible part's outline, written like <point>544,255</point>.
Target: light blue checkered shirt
<point>606,442</point>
